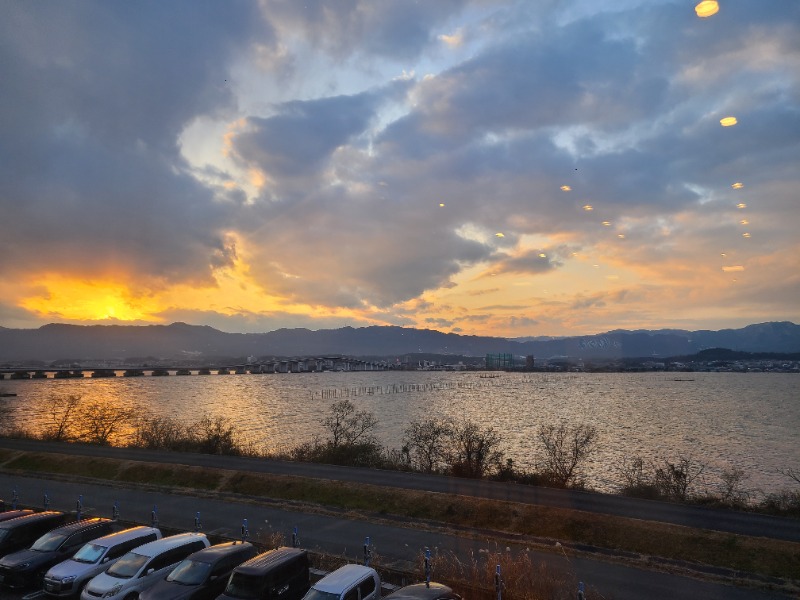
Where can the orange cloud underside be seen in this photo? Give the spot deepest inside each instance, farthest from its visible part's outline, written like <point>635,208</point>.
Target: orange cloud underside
<point>79,299</point>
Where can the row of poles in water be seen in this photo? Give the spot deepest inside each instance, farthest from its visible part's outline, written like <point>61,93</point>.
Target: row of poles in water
<point>403,388</point>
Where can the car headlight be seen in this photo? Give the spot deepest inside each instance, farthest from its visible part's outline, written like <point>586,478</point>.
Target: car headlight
<point>113,591</point>
<point>67,579</point>
<point>21,566</point>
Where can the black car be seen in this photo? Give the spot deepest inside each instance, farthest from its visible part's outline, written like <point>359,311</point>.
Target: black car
<point>13,514</point>
<point>26,568</point>
<point>21,532</point>
<point>423,591</point>
<point>203,574</point>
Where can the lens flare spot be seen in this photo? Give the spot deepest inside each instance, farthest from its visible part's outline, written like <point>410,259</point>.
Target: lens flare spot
<point>588,207</point>
<point>706,8</point>
<point>500,235</point>
<point>441,204</point>
<point>733,269</point>
<point>728,121</point>
<point>566,188</point>
<point>744,222</point>
<point>738,185</point>
<point>741,205</point>
<point>746,235</point>
<point>606,223</point>
<point>621,236</point>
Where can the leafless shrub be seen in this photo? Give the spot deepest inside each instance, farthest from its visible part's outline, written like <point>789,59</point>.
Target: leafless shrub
<point>159,433</point>
<point>792,474</point>
<point>566,448</point>
<point>674,480</point>
<point>733,493</point>
<point>426,444</point>
<point>61,425</point>
<point>346,426</point>
<point>100,422</point>
<point>473,452</point>
<point>216,436</point>
<point>521,577</point>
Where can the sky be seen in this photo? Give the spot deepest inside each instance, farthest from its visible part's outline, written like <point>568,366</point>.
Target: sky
<point>488,167</point>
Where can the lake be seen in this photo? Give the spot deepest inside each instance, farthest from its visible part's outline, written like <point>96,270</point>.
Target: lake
<point>723,420</point>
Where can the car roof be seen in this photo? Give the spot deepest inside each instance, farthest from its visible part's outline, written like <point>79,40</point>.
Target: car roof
<point>80,525</point>
<point>125,535</point>
<point>218,551</point>
<point>173,541</point>
<point>420,591</point>
<point>342,577</point>
<point>265,560</point>
<point>41,516</point>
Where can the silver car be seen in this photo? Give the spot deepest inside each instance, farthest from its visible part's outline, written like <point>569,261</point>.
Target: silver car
<point>142,567</point>
<point>67,578</point>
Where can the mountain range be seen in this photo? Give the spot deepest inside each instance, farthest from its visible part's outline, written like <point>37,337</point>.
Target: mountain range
<point>182,342</point>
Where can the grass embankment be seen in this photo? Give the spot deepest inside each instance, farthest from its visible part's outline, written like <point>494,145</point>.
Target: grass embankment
<point>502,521</point>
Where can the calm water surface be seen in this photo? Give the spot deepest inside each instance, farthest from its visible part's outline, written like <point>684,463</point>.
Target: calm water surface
<point>724,420</point>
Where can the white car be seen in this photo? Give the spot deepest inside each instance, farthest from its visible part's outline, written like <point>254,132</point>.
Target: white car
<point>350,582</point>
<point>67,578</point>
<point>142,567</point>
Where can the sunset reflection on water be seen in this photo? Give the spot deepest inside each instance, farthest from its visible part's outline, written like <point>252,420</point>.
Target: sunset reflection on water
<point>722,419</point>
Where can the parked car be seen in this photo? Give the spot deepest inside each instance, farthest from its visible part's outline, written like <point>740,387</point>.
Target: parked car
<point>142,567</point>
<point>281,574</point>
<point>423,591</point>
<point>13,514</point>
<point>67,578</point>
<point>350,582</point>
<point>19,533</point>
<point>25,568</point>
<point>202,575</point>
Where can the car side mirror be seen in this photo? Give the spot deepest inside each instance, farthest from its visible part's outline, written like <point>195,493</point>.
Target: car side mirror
<point>149,571</point>
<point>104,560</point>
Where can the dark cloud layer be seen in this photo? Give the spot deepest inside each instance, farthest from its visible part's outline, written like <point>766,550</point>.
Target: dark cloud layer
<point>368,196</point>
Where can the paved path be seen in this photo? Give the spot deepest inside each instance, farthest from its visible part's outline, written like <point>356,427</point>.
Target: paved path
<point>689,516</point>
<point>345,536</point>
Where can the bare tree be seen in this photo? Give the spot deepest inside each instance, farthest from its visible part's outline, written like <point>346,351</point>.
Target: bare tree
<point>566,447</point>
<point>61,425</point>
<point>473,451</point>
<point>673,480</point>
<point>732,491</point>
<point>346,426</point>
<point>792,474</point>
<point>427,443</point>
<point>100,422</point>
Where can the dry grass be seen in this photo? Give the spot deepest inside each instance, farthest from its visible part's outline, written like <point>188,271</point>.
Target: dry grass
<point>505,520</point>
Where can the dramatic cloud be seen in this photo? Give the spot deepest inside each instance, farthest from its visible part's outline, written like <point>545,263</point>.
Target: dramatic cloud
<point>502,167</point>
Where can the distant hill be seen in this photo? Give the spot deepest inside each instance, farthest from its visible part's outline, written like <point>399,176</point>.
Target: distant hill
<point>182,342</point>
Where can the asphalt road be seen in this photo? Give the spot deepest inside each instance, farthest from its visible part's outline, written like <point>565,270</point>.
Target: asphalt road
<point>677,514</point>
<point>342,535</point>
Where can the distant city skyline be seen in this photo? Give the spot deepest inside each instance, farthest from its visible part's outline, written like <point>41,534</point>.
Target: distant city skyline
<point>503,168</point>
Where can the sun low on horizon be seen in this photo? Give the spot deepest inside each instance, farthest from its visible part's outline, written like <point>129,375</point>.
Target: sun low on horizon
<point>491,168</point>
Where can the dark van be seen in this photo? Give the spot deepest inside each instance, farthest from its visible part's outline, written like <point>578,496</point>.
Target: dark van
<point>280,574</point>
<point>25,568</point>
<point>21,532</point>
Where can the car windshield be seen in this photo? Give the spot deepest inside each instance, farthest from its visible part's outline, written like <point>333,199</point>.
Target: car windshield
<point>244,586</point>
<point>190,572</point>
<point>90,553</point>
<point>127,566</point>
<point>48,542</point>
<point>319,595</point>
